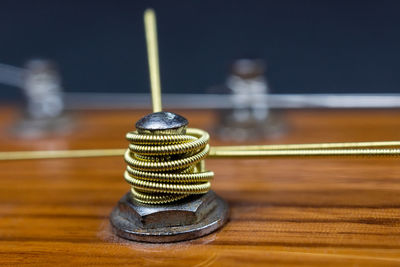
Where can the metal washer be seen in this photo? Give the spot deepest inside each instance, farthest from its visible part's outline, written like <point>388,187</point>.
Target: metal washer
<point>131,229</point>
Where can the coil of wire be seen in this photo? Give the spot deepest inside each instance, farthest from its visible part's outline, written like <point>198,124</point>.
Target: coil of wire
<point>164,168</point>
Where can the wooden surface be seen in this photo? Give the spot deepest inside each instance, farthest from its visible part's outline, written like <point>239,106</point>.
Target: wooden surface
<point>325,211</point>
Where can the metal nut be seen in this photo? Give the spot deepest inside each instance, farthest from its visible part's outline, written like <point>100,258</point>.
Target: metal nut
<point>182,220</point>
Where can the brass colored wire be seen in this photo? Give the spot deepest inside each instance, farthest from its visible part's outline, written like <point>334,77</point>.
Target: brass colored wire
<point>59,154</point>
<point>303,153</point>
<point>150,26</point>
<point>383,148</point>
<point>156,199</point>
<point>166,168</point>
<point>311,146</point>
<point>317,149</point>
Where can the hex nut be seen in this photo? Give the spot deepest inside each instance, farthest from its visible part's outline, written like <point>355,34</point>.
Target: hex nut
<point>183,220</point>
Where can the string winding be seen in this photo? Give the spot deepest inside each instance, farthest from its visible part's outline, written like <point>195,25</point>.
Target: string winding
<point>163,168</point>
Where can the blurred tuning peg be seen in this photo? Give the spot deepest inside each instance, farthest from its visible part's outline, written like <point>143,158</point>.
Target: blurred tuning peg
<point>250,116</point>
<point>44,110</point>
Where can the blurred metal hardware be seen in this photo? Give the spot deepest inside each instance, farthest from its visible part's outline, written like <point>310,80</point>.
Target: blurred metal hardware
<point>245,83</point>
<point>44,110</point>
<point>42,86</point>
<point>250,116</point>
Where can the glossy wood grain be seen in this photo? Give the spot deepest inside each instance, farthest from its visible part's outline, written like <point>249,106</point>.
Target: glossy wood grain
<point>322,211</point>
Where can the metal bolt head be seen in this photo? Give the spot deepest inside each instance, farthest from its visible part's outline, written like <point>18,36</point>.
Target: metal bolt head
<point>162,123</point>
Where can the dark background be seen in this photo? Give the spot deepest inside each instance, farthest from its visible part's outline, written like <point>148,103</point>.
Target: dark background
<point>310,46</point>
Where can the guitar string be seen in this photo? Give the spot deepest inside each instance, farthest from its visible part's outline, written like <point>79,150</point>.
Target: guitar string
<point>312,149</point>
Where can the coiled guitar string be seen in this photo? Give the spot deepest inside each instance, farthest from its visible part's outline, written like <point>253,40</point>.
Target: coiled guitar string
<point>166,168</point>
